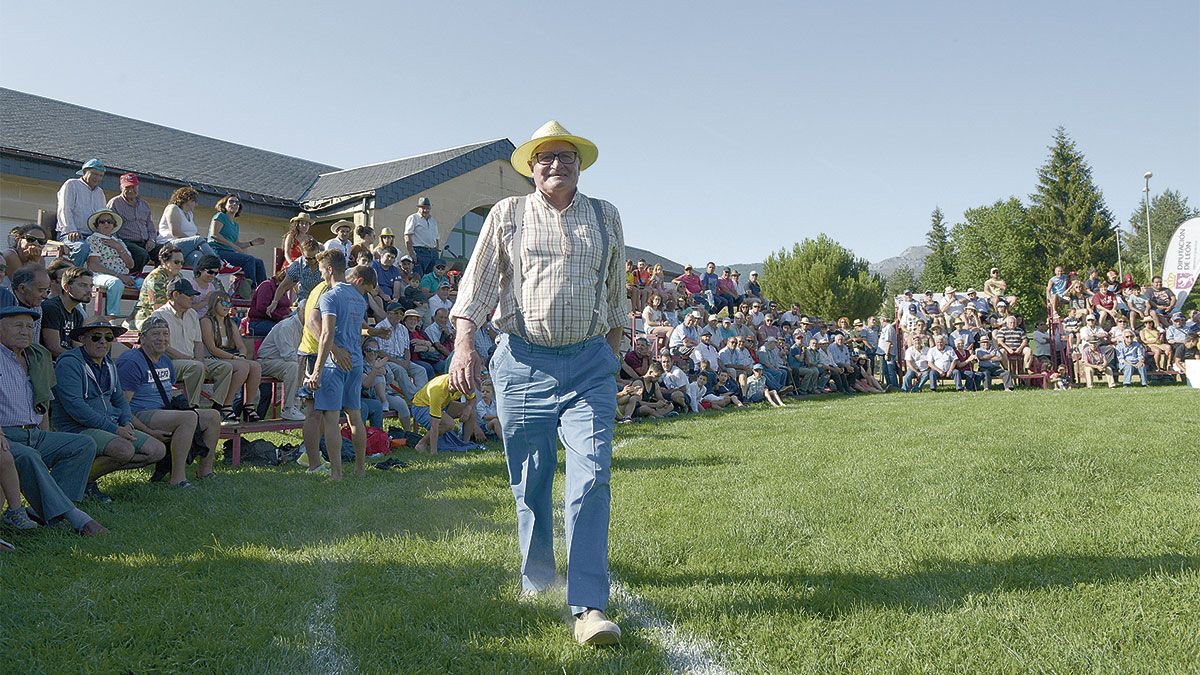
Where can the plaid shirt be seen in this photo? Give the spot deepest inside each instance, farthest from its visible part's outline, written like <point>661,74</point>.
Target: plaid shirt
<point>560,260</point>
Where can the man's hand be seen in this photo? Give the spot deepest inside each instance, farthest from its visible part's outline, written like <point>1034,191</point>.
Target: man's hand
<point>464,368</point>
<point>381,333</point>
<point>125,432</point>
<point>3,445</point>
<point>271,307</point>
<point>74,236</point>
<point>341,357</point>
<point>313,381</point>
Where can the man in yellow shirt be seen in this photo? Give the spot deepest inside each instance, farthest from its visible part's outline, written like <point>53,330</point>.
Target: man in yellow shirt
<point>309,339</point>
<point>430,405</point>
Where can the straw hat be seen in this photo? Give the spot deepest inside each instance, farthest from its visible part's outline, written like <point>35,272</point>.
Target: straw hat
<point>301,217</point>
<point>105,212</point>
<point>552,131</point>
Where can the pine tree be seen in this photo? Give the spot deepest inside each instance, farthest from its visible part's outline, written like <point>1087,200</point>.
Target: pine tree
<point>1072,226</point>
<point>939,264</point>
<point>1167,210</point>
<point>824,277</point>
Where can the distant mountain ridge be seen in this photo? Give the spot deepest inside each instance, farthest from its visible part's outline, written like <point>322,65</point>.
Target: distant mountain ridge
<point>912,257</point>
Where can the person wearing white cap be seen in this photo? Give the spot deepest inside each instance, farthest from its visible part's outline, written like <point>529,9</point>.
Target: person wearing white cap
<point>551,266</point>
<point>78,199</point>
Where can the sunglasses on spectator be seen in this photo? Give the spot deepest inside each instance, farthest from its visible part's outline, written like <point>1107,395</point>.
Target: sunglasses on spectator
<point>97,337</point>
<point>225,303</point>
<point>564,157</point>
<point>36,240</point>
<point>103,221</point>
<point>209,271</point>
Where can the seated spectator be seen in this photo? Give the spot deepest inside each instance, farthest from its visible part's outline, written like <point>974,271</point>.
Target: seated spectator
<point>261,322</point>
<point>486,417</point>
<point>654,321</point>
<point>223,237</point>
<point>768,328</point>
<point>1135,300</point>
<point>379,394</point>
<point>186,345</point>
<point>148,387</point>
<point>690,289</point>
<point>686,336</point>
<point>25,246</point>
<point>659,285</point>
<point>53,466</point>
<point>674,383</point>
<point>433,281</point>
<point>303,274</point>
<point>395,345</point>
<point>735,360</point>
<point>775,366</point>
<point>1041,343</point>
<point>916,361</point>
<point>89,401</point>
<point>964,363</point>
<point>440,300</point>
<point>361,254</point>
<point>648,399</point>
<point>206,282</point>
<point>991,364</point>
<point>941,359</point>
<point>1162,301</point>
<point>839,357</point>
<point>222,346</point>
<point>277,356</point>
<point>1175,334</point>
<point>62,314</point>
<point>727,289</point>
<point>1104,304</point>
<point>1092,283</point>
<point>753,290</point>
<point>804,371</point>
<point>636,361</point>
<point>421,349</point>
<point>109,260</point>
<point>295,237</point>
<point>1184,352</point>
<point>1131,356</point>
<point>30,288</point>
<point>386,238</point>
<point>1092,363</point>
<point>343,238</point>
<point>1193,324</point>
<point>931,310</point>
<point>727,388</point>
<point>178,227</point>
<point>1158,352</point>
<point>156,286</point>
<point>14,515</point>
<point>441,335</point>
<point>758,389</point>
<point>387,274</point>
<point>705,355</point>
<point>437,406</point>
<point>1078,301</point>
<point>140,232</point>
<point>1014,344</point>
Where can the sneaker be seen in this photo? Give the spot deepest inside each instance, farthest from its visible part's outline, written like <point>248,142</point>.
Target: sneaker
<point>92,491</point>
<point>17,519</point>
<point>293,414</point>
<point>229,269</point>
<point>593,628</point>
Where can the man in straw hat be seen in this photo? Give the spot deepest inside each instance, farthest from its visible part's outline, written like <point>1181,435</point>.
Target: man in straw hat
<point>562,306</point>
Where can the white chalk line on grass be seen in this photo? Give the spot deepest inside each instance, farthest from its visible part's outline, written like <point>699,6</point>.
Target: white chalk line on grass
<point>324,651</point>
<point>683,653</point>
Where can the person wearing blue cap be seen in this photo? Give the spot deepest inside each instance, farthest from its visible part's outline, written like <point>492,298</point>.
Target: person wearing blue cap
<point>24,400</point>
<point>78,199</point>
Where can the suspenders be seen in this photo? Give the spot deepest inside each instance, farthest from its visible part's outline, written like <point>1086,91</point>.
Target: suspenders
<point>518,272</point>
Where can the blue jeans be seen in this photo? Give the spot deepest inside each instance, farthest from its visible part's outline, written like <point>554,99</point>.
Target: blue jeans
<point>53,468</point>
<point>192,248</point>
<point>913,381</point>
<point>253,267</point>
<point>1127,371</point>
<point>543,395</point>
<point>889,371</point>
<point>425,259</point>
<point>261,326</point>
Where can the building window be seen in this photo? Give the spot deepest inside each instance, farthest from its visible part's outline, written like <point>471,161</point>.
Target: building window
<point>461,241</point>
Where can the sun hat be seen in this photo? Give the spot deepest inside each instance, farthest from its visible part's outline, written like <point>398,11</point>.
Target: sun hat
<point>92,164</point>
<point>387,232</point>
<point>19,310</point>
<point>713,317</point>
<point>80,331</point>
<point>105,212</point>
<point>949,289</point>
<point>552,131</point>
<point>1090,318</point>
<point>301,217</point>
<point>1150,319</point>
<point>413,312</point>
<point>970,291</point>
<point>128,179</point>
<point>340,224</point>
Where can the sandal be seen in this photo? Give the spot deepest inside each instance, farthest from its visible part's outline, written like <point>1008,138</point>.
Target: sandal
<point>228,416</point>
<point>251,414</point>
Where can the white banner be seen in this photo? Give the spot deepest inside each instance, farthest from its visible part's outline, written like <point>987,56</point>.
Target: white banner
<point>1181,267</point>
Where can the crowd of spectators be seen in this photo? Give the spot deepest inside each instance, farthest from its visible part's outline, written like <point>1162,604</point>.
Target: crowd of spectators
<point>357,325</point>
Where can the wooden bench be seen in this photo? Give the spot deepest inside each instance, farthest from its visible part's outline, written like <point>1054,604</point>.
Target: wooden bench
<point>234,433</point>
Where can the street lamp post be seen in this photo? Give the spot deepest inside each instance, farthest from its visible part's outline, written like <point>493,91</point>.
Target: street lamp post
<point>1120,269</point>
<point>1149,242</point>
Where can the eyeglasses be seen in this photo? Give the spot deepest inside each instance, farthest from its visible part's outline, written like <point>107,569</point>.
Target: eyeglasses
<point>370,350</point>
<point>564,157</point>
<point>106,337</point>
<point>106,221</point>
<point>35,240</point>
<point>225,303</point>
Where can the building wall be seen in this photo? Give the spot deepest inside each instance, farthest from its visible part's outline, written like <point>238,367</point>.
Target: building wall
<point>456,197</point>
<point>20,199</point>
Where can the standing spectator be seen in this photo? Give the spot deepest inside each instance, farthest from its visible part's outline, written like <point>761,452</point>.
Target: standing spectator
<point>53,466</point>
<point>223,236</point>
<point>177,225</point>
<point>1131,356</point>
<point>422,237</point>
<point>140,233</point>
<point>1056,291</point>
<point>887,350</point>
<point>582,328</point>
<point>294,238</point>
<point>156,287</point>
<point>89,401</point>
<point>109,260</point>
<point>261,322</point>
<point>61,314</point>
<point>1014,344</point>
<point>186,345</point>
<point>338,388</point>
<point>991,364</point>
<point>343,240</point>
<point>147,376</point>
<point>277,355</point>
<point>222,346</point>
<point>78,199</point>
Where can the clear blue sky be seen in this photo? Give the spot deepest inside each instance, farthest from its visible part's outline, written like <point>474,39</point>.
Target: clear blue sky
<point>725,131</point>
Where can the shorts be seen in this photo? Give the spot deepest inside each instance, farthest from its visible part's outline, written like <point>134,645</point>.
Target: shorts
<point>103,438</point>
<point>340,389</point>
<point>304,392</point>
<point>420,415</point>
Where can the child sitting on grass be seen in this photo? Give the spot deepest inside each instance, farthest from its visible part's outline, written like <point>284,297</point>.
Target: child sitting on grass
<point>485,414</point>
<point>757,389</point>
<point>1061,379</point>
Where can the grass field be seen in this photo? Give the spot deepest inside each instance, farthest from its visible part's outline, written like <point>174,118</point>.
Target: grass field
<point>1033,531</point>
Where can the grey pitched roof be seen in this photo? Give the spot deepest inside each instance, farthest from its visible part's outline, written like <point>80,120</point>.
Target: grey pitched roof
<point>383,178</point>
<point>33,125</point>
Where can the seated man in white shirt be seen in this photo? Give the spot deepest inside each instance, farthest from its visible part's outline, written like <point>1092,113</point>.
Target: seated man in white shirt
<point>706,357</point>
<point>278,357</point>
<point>673,384</point>
<point>941,360</point>
<point>736,361</point>
<point>410,376</point>
<point>441,300</point>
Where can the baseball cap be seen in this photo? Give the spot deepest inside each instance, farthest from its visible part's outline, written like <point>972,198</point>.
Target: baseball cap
<point>406,257</point>
<point>393,306</point>
<point>797,333</point>
<point>128,179</point>
<point>758,366</point>
<point>183,286</point>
